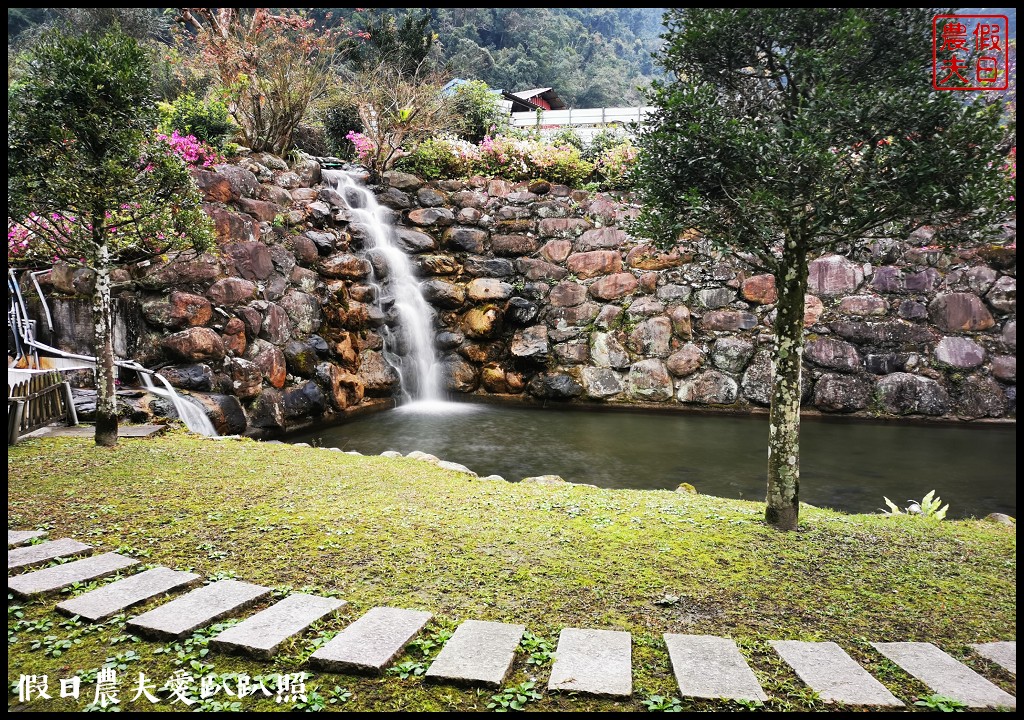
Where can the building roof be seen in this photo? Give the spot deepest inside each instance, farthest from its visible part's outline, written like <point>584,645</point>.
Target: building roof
<point>546,94</point>
<point>518,103</point>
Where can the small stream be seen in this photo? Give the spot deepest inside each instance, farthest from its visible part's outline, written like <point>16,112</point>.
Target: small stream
<point>847,466</point>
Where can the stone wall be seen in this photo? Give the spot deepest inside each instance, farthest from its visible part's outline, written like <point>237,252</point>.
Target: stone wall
<point>541,293</point>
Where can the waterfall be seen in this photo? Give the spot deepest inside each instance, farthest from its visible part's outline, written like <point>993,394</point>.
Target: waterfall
<point>409,334</point>
<point>194,418</point>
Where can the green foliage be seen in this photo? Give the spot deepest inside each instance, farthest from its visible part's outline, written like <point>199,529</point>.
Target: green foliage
<point>929,507</point>
<point>436,159</point>
<point>406,46</point>
<point>786,132</point>
<point>407,669</point>
<point>836,121</point>
<point>478,111</point>
<point>941,703</point>
<point>568,137</point>
<point>207,120</point>
<point>660,703</point>
<point>80,153</point>
<point>539,651</point>
<point>339,120</point>
<point>514,698</point>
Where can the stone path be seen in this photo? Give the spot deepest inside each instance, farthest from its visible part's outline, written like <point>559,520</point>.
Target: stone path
<point>1001,653</point>
<point>264,632</point>
<point>477,653</point>
<point>44,552</point>
<point>198,608</point>
<point>834,675</point>
<point>712,667</point>
<point>118,596</point>
<point>597,662</point>
<point>946,675</point>
<point>58,577</point>
<point>20,537</point>
<point>372,641</point>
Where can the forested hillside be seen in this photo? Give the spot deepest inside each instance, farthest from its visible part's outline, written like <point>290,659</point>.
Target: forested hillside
<point>592,57</point>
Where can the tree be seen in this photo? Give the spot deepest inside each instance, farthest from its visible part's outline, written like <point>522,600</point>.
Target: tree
<point>397,111</point>
<point>271,66</point>
<point>87,181</point>
<point>407,47</point>
<point>786,133</point>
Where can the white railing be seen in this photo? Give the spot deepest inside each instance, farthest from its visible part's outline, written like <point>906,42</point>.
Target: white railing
<point>581,116</point>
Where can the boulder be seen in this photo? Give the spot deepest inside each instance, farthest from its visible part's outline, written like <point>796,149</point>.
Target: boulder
<point>443,294</point>
<point>179,310</point>
<point>959,352</point>
<point>484,289</point>
<point>907,394</point>
<point>978,397</point>
<point>956,312</point>
<point>377,376</point>
<point>534,269</point>
<point>460,376</point>
<point>707,388</point>
<point>246,377</point>
<point>465,239</point>
<point>555,386</point>
<point>841,393</point>
<point>652,338</point>
<point>304,402</point>
<point>731,354</point>
<point>760,289</point>
<point>194,344</point>
<point>270,361</point>
<point>530,343</point>
<point>728,320</point>
<point>685,361</point>
<point>833,275</point>
<point>833,353</point>
<point>591,264</point>
<point>649,381</point>
<point>556,251</point>
<point>514,245</point>
<point>613,287</point>
<point>198,376</point>
<point>567,294</point>
<point>414,241</point>
<point>482,322</point>
<point>600,383</point>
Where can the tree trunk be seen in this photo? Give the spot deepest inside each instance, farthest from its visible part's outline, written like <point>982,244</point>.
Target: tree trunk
<point>783,501</point>
<point>106,389</point>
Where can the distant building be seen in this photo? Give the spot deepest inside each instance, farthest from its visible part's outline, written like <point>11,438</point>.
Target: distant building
<point>541,97</point>
<point>511,102</point>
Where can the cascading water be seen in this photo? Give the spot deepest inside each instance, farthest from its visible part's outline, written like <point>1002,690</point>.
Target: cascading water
<point>409,337</point>
<point>194,418</point>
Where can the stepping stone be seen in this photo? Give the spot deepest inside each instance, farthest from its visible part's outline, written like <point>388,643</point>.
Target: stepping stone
<point>24,557</point>
<point>111,599</point>
<point>264,632</point>
<point>945,675</point>
<point>201,606</point>
<point>712,667</point>
<point>834,675</point>
<point>372,641</point>
<point>1001,653</point>
<point>598,662</point>
<point>20,537</point>
<point>477,653</point>
<point>57,577</point>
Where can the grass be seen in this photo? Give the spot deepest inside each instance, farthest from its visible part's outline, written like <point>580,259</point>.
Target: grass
<point>404,533</point>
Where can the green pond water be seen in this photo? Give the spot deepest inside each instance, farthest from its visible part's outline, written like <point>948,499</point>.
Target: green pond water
<point>845,465</point>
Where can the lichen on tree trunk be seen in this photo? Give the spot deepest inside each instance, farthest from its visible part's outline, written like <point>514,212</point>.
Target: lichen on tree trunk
<point>783,499</point>
<point>106,388</point>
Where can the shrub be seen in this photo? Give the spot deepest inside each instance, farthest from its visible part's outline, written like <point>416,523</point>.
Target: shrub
<point>194,152</point>
<point>478,111</point>
<point>340,120</point>
<point>206,120</point>
<point>439,158</point>
<point>567,136</point>
<point>615,164</point>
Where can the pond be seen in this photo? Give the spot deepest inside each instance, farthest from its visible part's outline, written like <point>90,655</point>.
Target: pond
<point>845,465</point>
